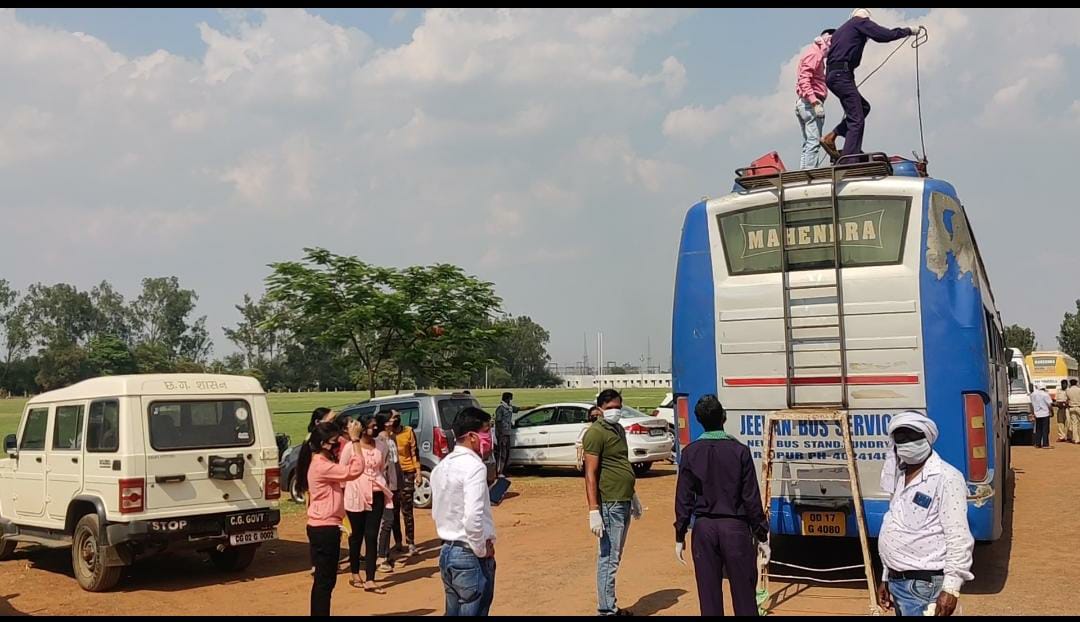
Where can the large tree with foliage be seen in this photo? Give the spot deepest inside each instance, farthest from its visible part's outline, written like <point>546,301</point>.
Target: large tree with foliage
<point>1069,336</point>
<point>1021,337</point>
<point>164,320</point>
<point>519,348</point>
<point>421,319</point>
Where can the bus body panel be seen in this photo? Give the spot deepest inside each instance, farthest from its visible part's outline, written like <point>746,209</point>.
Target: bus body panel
<point>916,336</point>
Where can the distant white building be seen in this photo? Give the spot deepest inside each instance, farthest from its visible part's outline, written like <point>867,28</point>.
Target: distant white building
<point>618,381</point>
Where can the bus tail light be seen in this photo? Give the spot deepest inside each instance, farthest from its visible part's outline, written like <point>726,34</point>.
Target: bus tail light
<point>682,419</point>
<point>975,420</point>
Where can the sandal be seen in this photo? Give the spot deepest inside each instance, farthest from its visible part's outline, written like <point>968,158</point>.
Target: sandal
<point>375,590</point>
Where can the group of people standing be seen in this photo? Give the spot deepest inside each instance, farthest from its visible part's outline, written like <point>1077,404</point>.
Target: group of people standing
<point>358,478</point>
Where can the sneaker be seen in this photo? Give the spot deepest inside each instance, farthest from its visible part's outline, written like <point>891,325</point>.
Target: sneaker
<point>386,566</point>
<point>412,549</point>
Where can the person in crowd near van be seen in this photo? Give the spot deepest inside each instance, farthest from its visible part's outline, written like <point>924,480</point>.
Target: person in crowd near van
<point>718,490</point>
<point>323,478</point>
<point>609,491</point>
<point>391,518</point>
<point>1061,405</point>
<point>1073,395</point>
<point>1041,403</point>
<point>811,91</point>
<point>365,499</point>
<point>409,462</point>
<point>504,420</point>
<point>319,415</point>
<point>461,509</point>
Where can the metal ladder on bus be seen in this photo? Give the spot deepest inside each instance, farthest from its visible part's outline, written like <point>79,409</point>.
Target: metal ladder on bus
<point>814,333</point>
<point>840,417</point>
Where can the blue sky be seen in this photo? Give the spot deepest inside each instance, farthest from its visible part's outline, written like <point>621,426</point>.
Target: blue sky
<point>548,151</point>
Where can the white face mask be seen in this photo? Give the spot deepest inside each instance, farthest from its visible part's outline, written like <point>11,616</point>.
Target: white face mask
<point>915,452</point>
<point>612,415</point>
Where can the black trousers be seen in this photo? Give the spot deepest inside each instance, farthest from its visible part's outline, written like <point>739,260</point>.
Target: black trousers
<point>719,545</point>
<point>1042,431</point>
<point>325,544</point>
<point>365,528</point>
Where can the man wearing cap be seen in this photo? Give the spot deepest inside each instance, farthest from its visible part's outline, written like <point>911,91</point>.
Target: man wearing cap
<point>925,543</point>
<point>845,54</point>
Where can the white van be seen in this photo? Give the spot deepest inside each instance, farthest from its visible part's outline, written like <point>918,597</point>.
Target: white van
<point>125,466</point>
<point>1020,389</point>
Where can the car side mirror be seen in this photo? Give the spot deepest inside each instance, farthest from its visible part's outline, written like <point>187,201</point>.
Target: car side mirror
<point>10,444</point>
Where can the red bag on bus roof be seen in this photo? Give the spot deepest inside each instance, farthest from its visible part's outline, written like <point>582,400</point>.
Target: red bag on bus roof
<point>768,164</point>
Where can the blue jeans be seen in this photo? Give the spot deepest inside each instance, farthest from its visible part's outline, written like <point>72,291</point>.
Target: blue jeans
<point>469,582</point>
<point>911,597</point>
<point>811,126</point>
<point>616,517</point>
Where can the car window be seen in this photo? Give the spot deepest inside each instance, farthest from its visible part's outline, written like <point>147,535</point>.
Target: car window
<point>540,416</point>
<point>450,407</point>
<point>570,415</point>
<point>103,427</point>
<point>67,427</point>
<point>33,438</point>
<point>206,424</point>
<point>409,411</point>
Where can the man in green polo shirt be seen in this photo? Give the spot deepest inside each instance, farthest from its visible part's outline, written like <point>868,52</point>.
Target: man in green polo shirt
<point>609,489</point>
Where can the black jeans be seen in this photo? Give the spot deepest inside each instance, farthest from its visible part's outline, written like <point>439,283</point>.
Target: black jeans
<point>1042,431</point>
<point>325,544</point>
<point>365,528</point>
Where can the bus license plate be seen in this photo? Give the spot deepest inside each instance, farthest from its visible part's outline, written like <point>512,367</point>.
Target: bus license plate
<point>252,537</point>
<point>824,524</point>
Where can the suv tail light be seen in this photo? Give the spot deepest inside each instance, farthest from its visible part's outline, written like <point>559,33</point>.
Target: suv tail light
<point>682,419</point>
<point>132,495</point>
<point>975,419</point>
<point>637,428</point>
<point>272,484</point>
<point>442,448</point>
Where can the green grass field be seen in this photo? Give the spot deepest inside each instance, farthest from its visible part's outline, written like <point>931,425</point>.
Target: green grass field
<point>291,410</point>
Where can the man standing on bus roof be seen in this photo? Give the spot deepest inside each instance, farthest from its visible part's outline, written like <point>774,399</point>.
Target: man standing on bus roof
<point>811,91</point>
<point>925,542</point>
<point>845,54</point>
<point>1041,404</point>
<point>1073,395</point>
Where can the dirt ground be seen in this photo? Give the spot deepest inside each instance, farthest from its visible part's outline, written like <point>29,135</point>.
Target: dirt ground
<point>546,562</point>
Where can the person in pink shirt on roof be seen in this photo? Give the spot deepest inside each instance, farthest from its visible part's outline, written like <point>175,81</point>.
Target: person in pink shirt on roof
<point>321,475</point>
<point>811,89</point>
<point>365,499</point>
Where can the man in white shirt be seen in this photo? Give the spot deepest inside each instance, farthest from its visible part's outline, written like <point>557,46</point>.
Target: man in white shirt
<point>925,543</point>
<point>461,508</point>
<point>1041,404</point>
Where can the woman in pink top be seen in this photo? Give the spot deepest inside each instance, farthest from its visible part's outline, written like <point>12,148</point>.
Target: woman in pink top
<point>365,499</point>
<point>324,478</point>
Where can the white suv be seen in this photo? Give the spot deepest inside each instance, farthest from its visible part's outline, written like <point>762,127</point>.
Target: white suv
<point>125,466</point>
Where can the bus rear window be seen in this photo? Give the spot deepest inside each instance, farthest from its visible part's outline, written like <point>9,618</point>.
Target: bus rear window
<point>871,233</point>
<point>207,424</point>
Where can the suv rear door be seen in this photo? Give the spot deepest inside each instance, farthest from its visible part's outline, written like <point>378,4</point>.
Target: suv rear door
<point>186,435</point>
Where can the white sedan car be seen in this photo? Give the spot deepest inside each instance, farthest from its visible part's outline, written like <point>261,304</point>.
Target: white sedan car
<point>549,436</point>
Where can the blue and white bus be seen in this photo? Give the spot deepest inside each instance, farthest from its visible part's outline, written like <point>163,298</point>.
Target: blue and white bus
<point>918,329</point>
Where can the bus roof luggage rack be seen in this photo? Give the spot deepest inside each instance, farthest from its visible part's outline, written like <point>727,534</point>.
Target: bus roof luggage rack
<point>756,177</point>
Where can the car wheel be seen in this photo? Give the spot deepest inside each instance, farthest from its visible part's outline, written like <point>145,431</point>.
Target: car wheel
<point>7,547</point>
<point>641,468</point>
<point>234,558</point>
<point>422,493</point>
<point>88,559</point>
<point>294,489</point>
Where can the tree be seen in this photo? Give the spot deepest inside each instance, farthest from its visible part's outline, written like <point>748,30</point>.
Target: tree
<point>14,324</point>
<point>519,347</point>
<point>163,309</point>
<point>1022,337</point>
<point>62,365</point>
<point>108,355</point>
<point>258,338</point>
<point>423,319</point>
<point>1069,336</point>
<point>111,316</point>
<point>58,316</point>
